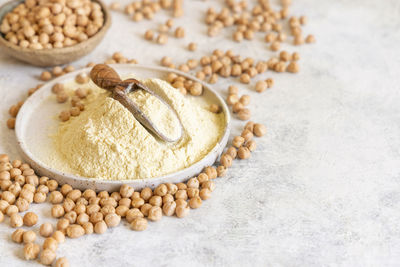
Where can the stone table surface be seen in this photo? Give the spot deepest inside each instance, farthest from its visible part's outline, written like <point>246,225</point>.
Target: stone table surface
<point>323,186</point>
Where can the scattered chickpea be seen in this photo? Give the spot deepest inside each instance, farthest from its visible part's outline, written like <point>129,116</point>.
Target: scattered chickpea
<point>139,224</point>
<point>211,172</point>
<point>245,78</point>
<point>57,71</point>
<point>11,123</point>
<point>82,78</point>
<point>31,251</point>
<point>50,243</point>
<point>30,219</point>
<point>243,153</point>
<point>162,38</point>
<point>46,229</point>
<point>295,56</point>
<point>16,220</point>
<point>259,130</point>
<point>179,32</point>
<point>17,235</point>
<point>45,76</point>
<point>47,257</point>
<point>275,46</point>
<point>195,202</point>
<point>112,219</point>
<point>62,262</point>
<point>192,46</point>
<point>59,236</point>
<point>181,211</point>
<point>205,193</point>
<point>196,89</point>
<point>75,231</point>
<point>149,35</point>
<point>244,114</point>
<point>310,39</point>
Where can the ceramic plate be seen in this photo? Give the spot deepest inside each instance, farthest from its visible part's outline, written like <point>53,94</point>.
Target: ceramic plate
<point>37,120</point>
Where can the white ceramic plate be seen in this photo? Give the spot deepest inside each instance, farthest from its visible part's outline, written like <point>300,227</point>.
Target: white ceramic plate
<point>36,121</point>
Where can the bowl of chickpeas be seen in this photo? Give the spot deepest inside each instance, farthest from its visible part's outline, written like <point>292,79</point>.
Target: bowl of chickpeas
<point>49,33</point>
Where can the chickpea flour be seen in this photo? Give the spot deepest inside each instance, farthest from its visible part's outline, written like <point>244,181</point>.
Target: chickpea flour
<point>106,141</point>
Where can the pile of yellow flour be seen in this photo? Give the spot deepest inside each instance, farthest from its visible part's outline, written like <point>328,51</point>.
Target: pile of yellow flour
<point>106,141</point>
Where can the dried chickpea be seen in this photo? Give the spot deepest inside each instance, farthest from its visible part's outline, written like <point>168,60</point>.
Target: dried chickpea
<point>247,135</point>
<point>202,177</point>
<point>161,190</point>
<point>57,71</point>
<point>100,227</point>
<point>62,224</point>
<point>205,193</point>
<point>139,224</point>
<point>251,145</point>
<point>192,46</point>
<point>245,78</point>
<point>195,202</point>
<point>145,209</point>
<point>59,236</point>
<point>112,219</point>
<point>181,194</point>
<point>275,46</point>
<point>226,160</point>
<point>162,38</point>
<point>31,251</point>
<point>88,228</point>
<point>11,123</point>
<point>244,114</point>
<point>62,262</point>
<point>149,35</point>
<point>17,235</point>
<point>238,141</point>
<point>261,86</point>
<point>295,56</point>
<point>259,130</point>
<point>62,97</point>
<point>209,184</point>
<point>75,231</point>
<point>221,171</point>
<point>16,220</point>
<point>56,197</point>
<point>211,172</point>
<point>181,211</point>
<point>169,208</point>
<point>45,76</point>
<point>50,243</point>
<point>65,115</point>
<point>192,192</point>
<point>46,229</point>
<point>30,219</point>
<point>47,257</point>
<point>172,188</point>
<point>179,32</point>
<point>244,153</point>
<point>310,39</point>
<point>196,89</point>
<point>155,213</point>
<point>57,211</point>
<point>146,193</point>
<point>166,61</point>
<point>193,183</point>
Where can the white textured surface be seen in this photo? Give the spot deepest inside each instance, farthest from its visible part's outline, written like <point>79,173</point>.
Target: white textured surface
<point>322,189</point>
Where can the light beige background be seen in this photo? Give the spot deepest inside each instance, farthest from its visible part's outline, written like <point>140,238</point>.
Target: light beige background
<point>323,187</point>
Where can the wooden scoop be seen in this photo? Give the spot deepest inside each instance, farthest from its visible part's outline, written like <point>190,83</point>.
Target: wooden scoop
<point>107,78</point>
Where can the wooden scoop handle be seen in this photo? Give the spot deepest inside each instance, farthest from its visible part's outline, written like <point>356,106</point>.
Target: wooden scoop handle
<point>105,77</point>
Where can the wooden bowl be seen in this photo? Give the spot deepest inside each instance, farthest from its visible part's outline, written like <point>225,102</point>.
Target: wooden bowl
<point>54,56</point>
